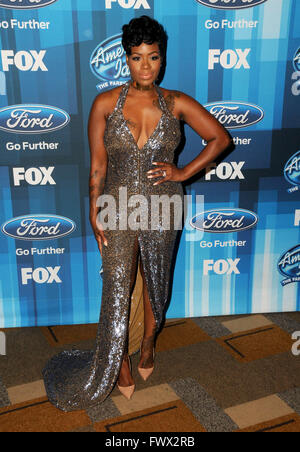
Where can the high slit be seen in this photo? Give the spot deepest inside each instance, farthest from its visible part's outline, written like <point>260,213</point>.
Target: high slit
<point>77,379</point>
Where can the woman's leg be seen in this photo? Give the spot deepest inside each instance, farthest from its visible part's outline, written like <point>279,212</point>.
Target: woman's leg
<point>148,344</point>
<point>125,377</point>
<point>156,249</point>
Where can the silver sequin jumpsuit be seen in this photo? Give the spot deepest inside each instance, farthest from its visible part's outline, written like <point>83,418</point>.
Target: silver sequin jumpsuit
<point>79,379</point>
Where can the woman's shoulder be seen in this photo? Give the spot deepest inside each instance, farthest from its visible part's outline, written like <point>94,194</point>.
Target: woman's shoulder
<point>109,95</point>
<point>171,94</point>
<point>176,100</point>
<point>107,100</point>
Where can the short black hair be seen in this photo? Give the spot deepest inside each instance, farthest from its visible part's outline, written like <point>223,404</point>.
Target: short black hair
<point>146,30</point>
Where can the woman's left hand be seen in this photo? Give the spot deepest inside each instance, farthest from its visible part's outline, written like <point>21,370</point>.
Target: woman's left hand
<point>172,173</point>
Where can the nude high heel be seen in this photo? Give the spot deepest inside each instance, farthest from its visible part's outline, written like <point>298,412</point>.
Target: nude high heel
<point>127,391</point>
<point>145,372</point>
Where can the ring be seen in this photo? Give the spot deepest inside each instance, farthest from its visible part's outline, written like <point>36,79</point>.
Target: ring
<point>164,173</point>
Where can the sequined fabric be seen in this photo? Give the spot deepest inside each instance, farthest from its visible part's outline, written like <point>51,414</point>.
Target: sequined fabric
<point>76,379</point>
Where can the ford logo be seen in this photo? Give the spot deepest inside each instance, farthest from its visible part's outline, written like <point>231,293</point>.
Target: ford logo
<point>297,60</point>
<point>38,227</point>
<point>108,61</point>
<point>224,220</point>
<point>289,262</point>
<point>292,169</point>
<point>25,4</point>
<point>235,115</point>
<point>231,4</point>
<point>32,119</point>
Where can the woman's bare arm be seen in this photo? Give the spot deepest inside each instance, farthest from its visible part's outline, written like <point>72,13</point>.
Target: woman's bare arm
<point>216,136</point>
<point>98,160</point>
<point>188,109</point>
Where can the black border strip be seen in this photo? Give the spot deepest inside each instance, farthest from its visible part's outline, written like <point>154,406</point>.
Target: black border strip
<point>292,421</point>
<point>52,334</point>
<point>175,324</point>
<point>138,417</point>
<point>24,407</point>
<point>244,335</point>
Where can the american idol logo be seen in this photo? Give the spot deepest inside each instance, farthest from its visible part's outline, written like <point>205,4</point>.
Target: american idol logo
<point>25,4</point>
<point>289,265</point>
<point>108,63</point>
<point>235,115</point>
<point>32,119</point>
<point>224,220</point>
<point>292,172</point>
<point>296,60</point>
<point>38,227</point>
<point>231,4</point>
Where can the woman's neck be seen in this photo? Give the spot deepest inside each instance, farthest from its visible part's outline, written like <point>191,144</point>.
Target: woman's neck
<point>142,88</point>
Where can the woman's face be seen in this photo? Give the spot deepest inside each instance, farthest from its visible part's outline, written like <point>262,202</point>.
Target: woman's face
<point>144,63</point>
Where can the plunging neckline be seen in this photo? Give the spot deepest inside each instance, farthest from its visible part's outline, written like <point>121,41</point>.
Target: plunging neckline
<point>127,127</point>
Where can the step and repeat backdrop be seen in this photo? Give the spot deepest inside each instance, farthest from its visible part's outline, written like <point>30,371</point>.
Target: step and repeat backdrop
<point>239,251</point>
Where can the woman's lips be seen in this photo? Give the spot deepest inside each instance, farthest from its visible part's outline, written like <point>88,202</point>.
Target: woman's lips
<point>146,77</point>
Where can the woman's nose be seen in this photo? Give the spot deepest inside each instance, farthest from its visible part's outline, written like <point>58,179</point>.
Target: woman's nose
<point>146,63</point>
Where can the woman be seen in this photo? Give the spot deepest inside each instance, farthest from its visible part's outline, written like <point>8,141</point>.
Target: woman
<point>133,133</point>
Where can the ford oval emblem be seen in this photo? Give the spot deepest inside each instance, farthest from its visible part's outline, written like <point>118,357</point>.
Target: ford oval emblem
<point>292,169</point>
<point>289,263</point>
<point>224,220</point>
<point>25,4</point>
<point>231,4</point>
<point>235,115</point>
<point>32,118</point>
<point>38,227</point>
<point>108,61</point>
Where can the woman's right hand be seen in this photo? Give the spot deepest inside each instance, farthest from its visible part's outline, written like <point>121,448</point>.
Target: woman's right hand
<point>98,232</point>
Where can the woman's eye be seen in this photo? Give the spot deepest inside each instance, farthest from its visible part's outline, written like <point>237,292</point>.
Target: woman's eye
<point>136,58</point>
<point>155,58</point>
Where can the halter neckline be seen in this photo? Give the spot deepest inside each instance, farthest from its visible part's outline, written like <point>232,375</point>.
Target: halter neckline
<point>163,106</point>
<point>124,92</point>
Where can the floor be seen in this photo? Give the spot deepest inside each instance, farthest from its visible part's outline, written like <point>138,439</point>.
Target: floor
<point>216,374</point>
